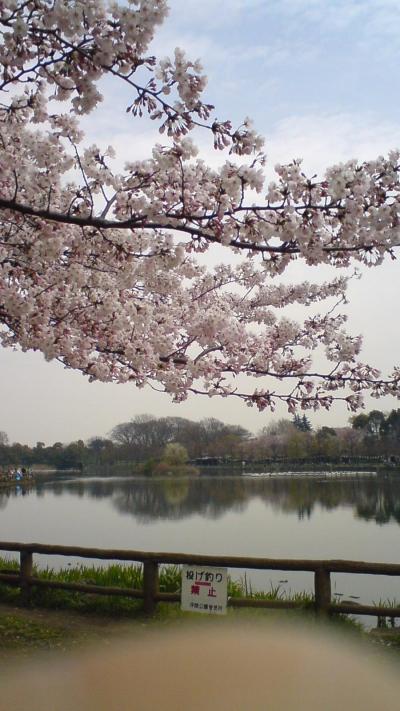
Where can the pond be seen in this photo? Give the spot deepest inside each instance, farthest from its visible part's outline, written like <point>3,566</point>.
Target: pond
<point>350,516</point>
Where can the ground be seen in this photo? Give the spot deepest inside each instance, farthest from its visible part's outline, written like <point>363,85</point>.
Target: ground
<point>24,632</point>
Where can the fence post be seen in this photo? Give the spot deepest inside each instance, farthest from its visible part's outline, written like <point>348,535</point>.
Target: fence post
<point>322,582</point>
<point>25,571</point>
<point>150,585</point>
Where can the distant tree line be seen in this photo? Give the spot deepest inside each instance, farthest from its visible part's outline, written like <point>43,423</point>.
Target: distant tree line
<point>368,435</point>
<point>144,437</point>
<point>58,456</point>
<point>141,438</point>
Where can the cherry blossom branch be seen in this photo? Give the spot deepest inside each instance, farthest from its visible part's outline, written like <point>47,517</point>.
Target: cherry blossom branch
<point>140,222</point>
<point>104,271</point>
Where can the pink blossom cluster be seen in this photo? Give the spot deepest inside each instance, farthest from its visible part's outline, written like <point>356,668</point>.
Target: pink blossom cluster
<point>104,271</point>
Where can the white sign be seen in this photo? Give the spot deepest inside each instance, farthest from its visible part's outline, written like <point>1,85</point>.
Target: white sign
<point>204,589</point>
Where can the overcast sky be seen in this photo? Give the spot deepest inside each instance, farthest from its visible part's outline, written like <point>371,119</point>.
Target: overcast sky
<point>320,80</point>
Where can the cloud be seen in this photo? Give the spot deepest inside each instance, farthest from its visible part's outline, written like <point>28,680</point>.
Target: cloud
<point>208,15</point>
<point>227,36</point>
<point>322,139</point>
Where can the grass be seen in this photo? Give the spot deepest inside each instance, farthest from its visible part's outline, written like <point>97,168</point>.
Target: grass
<point>114,575</point>
<point>131,576</point>
<point>123,576</point>
<point>244,588</point>
<point>22,635</point>
<point>94,616</point>
<point>388,621</point>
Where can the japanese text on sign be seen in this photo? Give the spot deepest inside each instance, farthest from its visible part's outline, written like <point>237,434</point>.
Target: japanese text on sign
<point>204,589</point>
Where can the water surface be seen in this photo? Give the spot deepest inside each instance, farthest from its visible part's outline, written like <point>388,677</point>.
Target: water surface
<point>320,516</point>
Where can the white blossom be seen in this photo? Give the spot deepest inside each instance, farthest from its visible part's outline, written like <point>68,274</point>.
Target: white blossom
<point>105,271</point>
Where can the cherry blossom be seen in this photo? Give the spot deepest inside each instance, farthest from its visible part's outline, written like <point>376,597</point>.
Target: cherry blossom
<point>106,272</point>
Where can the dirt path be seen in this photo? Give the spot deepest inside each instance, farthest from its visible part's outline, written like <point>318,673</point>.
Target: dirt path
<point>24,631</point>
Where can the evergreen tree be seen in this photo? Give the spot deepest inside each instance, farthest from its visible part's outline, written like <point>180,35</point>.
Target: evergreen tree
<point>302,423</point>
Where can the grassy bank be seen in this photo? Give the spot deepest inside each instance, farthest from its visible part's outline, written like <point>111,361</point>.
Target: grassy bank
<point>122,576</point>
<point>130,576</point>
<point>18,634</point>
<point>61,620</point>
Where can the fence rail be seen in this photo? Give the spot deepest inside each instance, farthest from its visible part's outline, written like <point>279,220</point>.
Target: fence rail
<point>151,595</point>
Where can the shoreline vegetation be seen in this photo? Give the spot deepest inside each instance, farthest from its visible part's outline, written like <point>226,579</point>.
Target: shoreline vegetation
<point>125,576</point>
<point>147,443</point>
<point>27,629</point>
<point>174,461</point>
<point>130,576</point>
<point>160,469</point>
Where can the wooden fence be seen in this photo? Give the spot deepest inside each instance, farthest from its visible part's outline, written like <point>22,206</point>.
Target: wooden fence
<point>151,595</point>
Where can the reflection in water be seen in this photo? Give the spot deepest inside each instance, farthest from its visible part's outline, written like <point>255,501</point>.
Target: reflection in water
<point>370,498</point>
<point>353,517</point>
